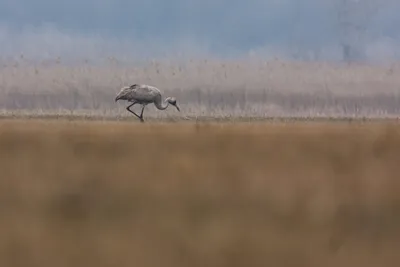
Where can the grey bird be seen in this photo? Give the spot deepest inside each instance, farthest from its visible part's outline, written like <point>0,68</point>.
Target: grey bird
<point>144,94</point>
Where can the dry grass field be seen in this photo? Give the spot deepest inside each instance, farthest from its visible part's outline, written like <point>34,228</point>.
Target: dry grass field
<point>211,88</point>
<point>206,194</point>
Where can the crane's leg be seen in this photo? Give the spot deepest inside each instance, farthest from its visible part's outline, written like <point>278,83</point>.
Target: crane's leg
<point>141,113</point>
<point>128,109</point>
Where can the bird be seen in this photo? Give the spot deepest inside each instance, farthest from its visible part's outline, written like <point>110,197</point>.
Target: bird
<point>144,94</point>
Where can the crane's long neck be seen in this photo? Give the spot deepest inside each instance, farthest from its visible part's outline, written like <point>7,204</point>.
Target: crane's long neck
<point>162,104</point>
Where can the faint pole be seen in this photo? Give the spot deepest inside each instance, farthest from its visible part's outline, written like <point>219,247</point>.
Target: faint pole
<point>198,91</point>
<point>209,95</point>
<point>353,18</point>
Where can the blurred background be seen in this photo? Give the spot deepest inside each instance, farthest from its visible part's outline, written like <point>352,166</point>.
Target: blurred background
<point>333,58</point>
<point>135,30</point>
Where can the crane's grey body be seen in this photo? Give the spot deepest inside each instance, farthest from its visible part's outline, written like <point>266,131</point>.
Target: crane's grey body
<point>144,94</point>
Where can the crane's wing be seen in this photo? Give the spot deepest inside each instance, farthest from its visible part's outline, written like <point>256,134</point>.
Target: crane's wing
<point>145,92</point>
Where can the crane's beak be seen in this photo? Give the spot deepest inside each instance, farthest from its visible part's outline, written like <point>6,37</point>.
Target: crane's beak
<point>177,108</point>
<point>116,99</point>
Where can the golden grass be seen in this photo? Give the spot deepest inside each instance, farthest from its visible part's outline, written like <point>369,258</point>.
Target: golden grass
<point>245,194</point>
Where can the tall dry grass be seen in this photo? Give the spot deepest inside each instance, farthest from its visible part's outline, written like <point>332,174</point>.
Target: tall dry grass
<point>210,87</point>
<point>123,194</point>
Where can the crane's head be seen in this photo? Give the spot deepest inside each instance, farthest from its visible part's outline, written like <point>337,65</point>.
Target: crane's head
<point>122,93</point>
<point>172,101</point>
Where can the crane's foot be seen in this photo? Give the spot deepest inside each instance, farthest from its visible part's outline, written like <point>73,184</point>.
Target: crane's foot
<point>141,119</point>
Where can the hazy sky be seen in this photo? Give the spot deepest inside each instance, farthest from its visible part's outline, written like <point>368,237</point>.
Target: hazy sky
<point>133,28</point>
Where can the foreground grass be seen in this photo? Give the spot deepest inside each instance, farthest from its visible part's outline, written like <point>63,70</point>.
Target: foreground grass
<point>121,194</point>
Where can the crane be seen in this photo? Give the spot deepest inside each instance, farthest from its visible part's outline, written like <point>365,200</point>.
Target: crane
<point>144,94</point>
